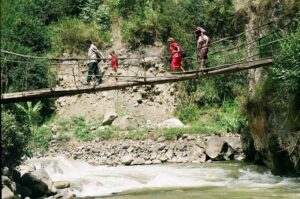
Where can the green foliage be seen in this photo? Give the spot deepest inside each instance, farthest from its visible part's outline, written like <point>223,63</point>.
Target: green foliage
<point>286,72</point>
<point>32,112</point>
<point>187,112</point>
<point>209,119</point>
<point>15,136</point>
<point>71,34</point>
<point>103,18</point>
<point>41,138</point>
<point>230,117</point>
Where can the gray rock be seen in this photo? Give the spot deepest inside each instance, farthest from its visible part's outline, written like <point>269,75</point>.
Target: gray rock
<point>214,147</point>
<point>5,171</point>
<point>196,154</point>
<point>161,139</point>
<point>234,142</point>
<point>109,118</point>
<point>39,182</point>
<point>25,168</point>
<point>163,158</point>
<point>127,159</point>
<point>171,123</point>
<point>156,161</point>
<point>170,154</point>
<point>61,184</point>
<point>138,161</point>
<point>6,193</point>
<point>5,180</point>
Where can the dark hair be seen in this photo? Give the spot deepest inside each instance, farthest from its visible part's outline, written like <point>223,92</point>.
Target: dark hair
<point>88,42</point>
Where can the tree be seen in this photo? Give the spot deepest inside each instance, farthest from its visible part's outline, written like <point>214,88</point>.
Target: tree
<point>32,112</point>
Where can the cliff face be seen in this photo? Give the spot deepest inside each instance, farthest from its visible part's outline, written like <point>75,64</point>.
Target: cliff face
<point>273,137</point>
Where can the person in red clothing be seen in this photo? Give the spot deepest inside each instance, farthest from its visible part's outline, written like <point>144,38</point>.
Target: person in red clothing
<point>114,63</point>
<point>176,57</point>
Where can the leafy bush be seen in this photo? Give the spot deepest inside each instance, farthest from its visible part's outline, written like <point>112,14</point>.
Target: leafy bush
<point>102,17</point>
<point>187,112</point>
<point>15,136</point>
<point>41,138</point>
<point>32,112</point>
<point>70,35</point>
<point>286,72</point>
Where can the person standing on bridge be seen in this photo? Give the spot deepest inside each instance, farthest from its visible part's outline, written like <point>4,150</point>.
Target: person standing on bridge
<point>176,56</point>
<point>202,45</point>
<point>114,63</point>
<point>95,57</point>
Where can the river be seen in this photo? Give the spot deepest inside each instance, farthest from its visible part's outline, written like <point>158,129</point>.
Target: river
<point>234,180</point>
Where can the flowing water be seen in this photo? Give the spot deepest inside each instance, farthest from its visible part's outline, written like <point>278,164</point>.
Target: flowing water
<point>170,181</point>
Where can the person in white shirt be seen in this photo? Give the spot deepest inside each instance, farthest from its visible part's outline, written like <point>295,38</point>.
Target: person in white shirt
<point>95,55</point>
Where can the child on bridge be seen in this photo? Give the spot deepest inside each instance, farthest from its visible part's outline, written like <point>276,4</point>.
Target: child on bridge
<point>114,64</point>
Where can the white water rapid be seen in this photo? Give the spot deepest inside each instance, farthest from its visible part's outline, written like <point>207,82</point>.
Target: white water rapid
<point>95,181</point>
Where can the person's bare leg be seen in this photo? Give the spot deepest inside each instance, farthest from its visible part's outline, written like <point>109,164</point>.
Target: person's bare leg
<point>182,69</point>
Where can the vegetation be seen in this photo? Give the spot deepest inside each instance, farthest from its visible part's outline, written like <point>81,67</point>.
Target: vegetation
<point>15,135</point>
<point>210,106</point>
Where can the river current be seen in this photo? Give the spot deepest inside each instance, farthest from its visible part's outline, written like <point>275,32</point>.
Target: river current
<point>232,180</point>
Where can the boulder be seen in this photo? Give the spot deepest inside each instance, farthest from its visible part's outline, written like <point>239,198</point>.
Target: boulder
<point>39,182</point>
<point>126,122</point>
<point>138,161</point>
<point>6,193</point>
<point>127,159</point>
<point>61,184</point>
<point>23,191</point>
<point>171,123</point>
<point>5,180</point>
<point>109,118</point>
<point>25,169</point>
<point>215,147</point>
<point>196,154</point>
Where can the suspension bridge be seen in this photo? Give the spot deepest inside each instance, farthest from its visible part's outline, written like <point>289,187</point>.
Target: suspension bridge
<point>239,56</point>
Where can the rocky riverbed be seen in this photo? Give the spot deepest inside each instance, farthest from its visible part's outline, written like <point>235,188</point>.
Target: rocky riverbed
<point>188,148</point>
<point>28,181</point>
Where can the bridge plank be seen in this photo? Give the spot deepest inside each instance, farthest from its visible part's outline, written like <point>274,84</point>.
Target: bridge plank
<point>59,92</point>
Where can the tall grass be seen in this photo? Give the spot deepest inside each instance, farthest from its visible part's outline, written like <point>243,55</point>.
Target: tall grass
<point>69,35</point>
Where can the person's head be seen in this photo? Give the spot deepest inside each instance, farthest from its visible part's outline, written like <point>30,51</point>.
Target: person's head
<point>112,52</point>
<point>199,30</point>
<point>171,40</point>
<point>88,42</point>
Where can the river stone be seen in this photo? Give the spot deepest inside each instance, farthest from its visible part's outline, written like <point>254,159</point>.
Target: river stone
<point>61,184</point>
<point>39,182</point>
<point>234,143</point>
<point>127,159</point>
<point>25,169</point>
<point>5,180</point>
<point>214,147</point>
<point>23,191</point>
<point>171,123</point>
<point>196,154</point>
<point>170,154</point>
<point>156,161</point>
<point>6,193</point>
<point>138,161</point>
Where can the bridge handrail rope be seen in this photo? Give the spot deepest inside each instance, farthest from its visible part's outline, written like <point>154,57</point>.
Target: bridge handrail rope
<point>18,61</point>
<point>140,58</point>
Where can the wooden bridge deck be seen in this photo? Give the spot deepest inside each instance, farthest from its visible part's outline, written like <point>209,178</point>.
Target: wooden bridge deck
<point>174,77</point>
